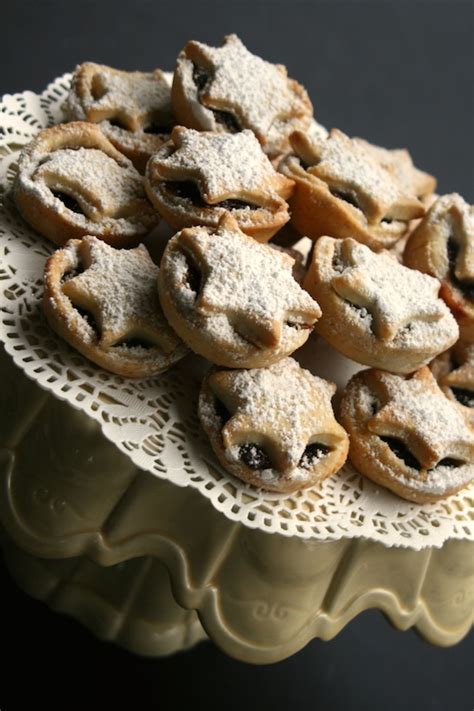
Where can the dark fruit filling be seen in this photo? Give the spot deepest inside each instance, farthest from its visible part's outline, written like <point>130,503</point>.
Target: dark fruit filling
<point>254,456</point>
<point>346,196</point>
<point>188,190</point>
<point>193,274</point>
<point>227,119</point>
<point>312,454</point>
<point>222,412</point>
<point>464,396</point>
<point>89,318</point>
<point>467,287</point>
<point>69,202</point>
<point>118,124</point>
<point>401,451</point>
<point>450,462</point>
<point>157,130</point>
<point>201,78</point>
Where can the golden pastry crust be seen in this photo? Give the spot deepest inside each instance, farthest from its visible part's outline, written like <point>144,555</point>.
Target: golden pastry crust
<point>72,182</point>
<point>407,436</point>
<point>398,161</point>
<point>104,303</point>
<point>227,89</point>
<point>375,310</point>
<point>195,178</point>
<point>274,428</point>
<point>443,245</point>
<point>133,109</point>
<point>232,300</point>
<point>342,190</point>
<point>454,371</point>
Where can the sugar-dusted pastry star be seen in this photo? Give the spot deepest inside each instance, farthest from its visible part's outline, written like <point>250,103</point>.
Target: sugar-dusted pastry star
<point>398,161</point>
<point>224,166</point>
<point>257,93</point>
<point>281,410</point>
<point>353,173</point>
<point>119,288</point>
<point>417,412</point>
<point>251,283</point>
<point>393,294</point>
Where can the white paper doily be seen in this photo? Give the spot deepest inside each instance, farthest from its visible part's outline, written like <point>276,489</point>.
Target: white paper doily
<point>154,421</point>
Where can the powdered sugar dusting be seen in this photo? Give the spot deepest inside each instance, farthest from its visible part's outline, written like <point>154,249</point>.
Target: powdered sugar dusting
<point>225,165</point>
<point>102,186</point>
<point>258,91</point>
<point>394,295</point>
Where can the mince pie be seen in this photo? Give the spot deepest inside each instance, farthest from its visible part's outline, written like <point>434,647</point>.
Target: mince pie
<point>375,310</point>
<point>273,427</point>
<point>73,182</point>
<point>343,190</point>
<point>133,109</point>
<point>104,302</point>
<point>406,435</point>
<point>454,371</point>
<point>232,300</point>
<point>195,178</point>
<point>443,245</point>
<point>228,89</point>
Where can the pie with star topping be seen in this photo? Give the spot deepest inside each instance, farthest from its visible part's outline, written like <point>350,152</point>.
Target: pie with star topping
<point>133,109</point>
<point>227,89</point>
<point>343,189</point>
<point>195,178</point>
<point>454,371</point>
<point>406,435</point>
<point>443,245</point>
<point>232,300</point>
<point>375,310</point>
<point>104,303</point>
<point>273,427</point>
<point>73,182</point>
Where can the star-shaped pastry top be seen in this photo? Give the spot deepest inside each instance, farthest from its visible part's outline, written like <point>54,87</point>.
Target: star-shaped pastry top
<point>462,374</point>
<point>283,408</point>
<point>102,187</point>
<point>223,165</point>
<point>450,225</point>
<point>251,283</point>
<point>393,294</point>
<point>347,167</point>
<point>398,162</point>
<point>417,412</point>
<point>119,288</point>
<point>132,97</point>
<point>257,92</point>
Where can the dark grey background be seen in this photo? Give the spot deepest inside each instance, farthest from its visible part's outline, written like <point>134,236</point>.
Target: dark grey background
<point>397,73</point>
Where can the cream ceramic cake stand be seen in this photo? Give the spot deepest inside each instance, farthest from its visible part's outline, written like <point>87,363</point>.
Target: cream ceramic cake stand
<point>135,558</point>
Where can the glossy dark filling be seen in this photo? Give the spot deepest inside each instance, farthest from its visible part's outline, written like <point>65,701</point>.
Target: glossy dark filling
<point>450,462</point>
<point>225,118</point>
<point>401,451</point>
<point>254,456</point>
<point>193,274</point>
<point>89,318</point>
<point>299,326</point>
<point>346,196</point>
<point>69,202</point>
<point>118,124</point>
<point>313,453</point>
<point>157,130</point>
<point>467,287</point>
<point>187,190</point>
<point>71,274</point>
<point>464,396</point>
<point>221,411</point>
